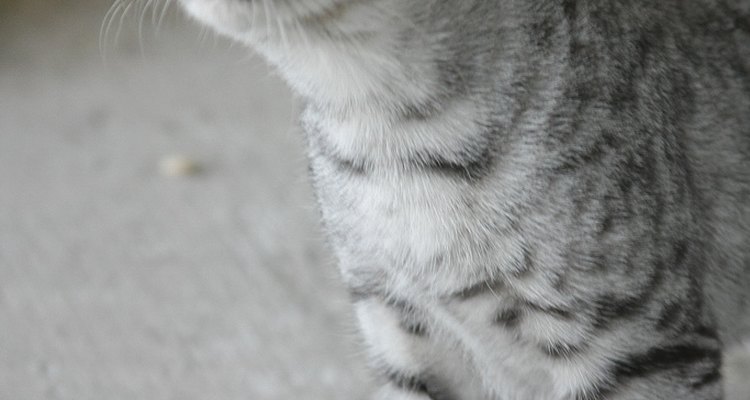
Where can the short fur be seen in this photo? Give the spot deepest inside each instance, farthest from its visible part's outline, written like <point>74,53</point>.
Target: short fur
<point>529,199</point>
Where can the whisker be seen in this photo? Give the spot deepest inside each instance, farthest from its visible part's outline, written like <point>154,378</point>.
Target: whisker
<point>122,20</point>
<point>254,17</point>
<point>106,26</point>
<point>141,18</point>
<point>162,15</point>
<point>296,26</point>
<point>202,36</point>
<point>302,33</point>
<point>154,10</point>
<point>282,27</point>
<point>266,15</point>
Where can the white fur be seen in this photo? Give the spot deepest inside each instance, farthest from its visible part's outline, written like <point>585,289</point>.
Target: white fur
<point>340,72</point>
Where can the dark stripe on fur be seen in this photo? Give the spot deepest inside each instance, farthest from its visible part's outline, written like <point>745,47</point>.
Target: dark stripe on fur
<point>562,350</point>
<point>467,166</point>
<point>611,308</point>
<point>672,314</point>
<point>353,166</point>
<point>556,312</point>
<point>413,327</point>
<point>428,386</point>
<point>364,292</point>
<point>409,319</point>
<point>509,318</point>
<point>316,141</point>
<point>407,314</point>
<point>406,382</point>
<point>711,378</point>
<point>479,289</point>
<point>696,366</point>
<point>660,359</point>
<point>524,267</point>
<point>422,112</point>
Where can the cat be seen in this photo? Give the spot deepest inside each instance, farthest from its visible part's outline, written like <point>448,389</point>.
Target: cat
<point>528,199</point>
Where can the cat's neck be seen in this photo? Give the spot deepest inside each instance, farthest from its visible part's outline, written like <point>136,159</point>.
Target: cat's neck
<point>378,56</point>
<point>367,70</point>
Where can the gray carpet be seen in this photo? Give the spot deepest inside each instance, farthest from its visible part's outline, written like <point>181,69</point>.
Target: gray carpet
<point>118,281</point>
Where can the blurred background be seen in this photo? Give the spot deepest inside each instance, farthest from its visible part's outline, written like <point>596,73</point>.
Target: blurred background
<point>158,238</point>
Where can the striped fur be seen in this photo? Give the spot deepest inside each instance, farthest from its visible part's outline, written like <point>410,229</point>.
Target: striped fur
<point>529,199</point>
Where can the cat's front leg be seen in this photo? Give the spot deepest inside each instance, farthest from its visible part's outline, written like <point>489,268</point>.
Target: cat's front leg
<point>396,342</point>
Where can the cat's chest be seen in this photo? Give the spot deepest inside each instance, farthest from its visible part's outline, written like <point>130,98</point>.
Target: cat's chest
<point>410,229</point>
<point>407,226</point>
<point>454,247</point>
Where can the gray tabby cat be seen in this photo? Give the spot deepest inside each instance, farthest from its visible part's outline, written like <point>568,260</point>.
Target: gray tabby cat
<point>529,199</point>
